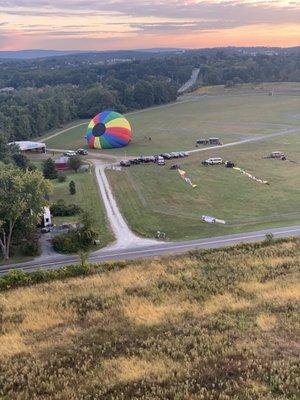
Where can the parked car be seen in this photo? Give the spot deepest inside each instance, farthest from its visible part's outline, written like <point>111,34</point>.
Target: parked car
<point>175,166</point>
<point>124,163</point>
<point>66,226</point>
<point>174,154</point>
<point>278,154</point>
<point>134,161</point>
<point>166,156</point>
<point>160,160</point>
<point>181,154</point>
<point>229,164</point>
<point>215,141</point>
<point>47,229</point>
<point>212,161</point>
<point>144,160</point>
<point>202,141</point>
<point>69,153</point>
<point>82,152</point>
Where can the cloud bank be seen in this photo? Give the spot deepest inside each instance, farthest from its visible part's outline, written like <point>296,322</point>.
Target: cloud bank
<point>142,23</point>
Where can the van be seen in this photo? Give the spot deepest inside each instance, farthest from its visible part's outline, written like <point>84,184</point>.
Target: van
<point>215,141</point>
<point>213,161</point>
<point>160,160</point>
<point>202,141</point>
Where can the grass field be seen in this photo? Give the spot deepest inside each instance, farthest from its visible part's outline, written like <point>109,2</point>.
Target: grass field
<point>218,324</point>
<point>155,198</point>
<point>87,197</point>
<point>230,115</point>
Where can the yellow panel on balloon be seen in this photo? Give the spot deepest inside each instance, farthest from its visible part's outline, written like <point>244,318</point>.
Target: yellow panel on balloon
<point>118,122</point>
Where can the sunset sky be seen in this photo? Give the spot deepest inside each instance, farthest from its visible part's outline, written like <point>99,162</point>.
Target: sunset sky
<point>128,24</point>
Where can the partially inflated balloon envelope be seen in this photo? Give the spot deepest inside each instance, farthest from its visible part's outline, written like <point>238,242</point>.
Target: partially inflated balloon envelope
<point>108,130</point>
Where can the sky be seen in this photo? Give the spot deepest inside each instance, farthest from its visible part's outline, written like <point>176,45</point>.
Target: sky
<point>130,24</point>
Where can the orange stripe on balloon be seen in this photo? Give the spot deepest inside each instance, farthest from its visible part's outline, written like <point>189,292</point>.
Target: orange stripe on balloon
<point>121,133</point>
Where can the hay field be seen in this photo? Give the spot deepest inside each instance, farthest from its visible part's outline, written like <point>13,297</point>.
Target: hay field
<point>215,324</point>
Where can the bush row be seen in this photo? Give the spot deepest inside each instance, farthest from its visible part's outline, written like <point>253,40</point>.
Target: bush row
<point>61,209</point>
<point>75,240</point>
<point>18,278</point>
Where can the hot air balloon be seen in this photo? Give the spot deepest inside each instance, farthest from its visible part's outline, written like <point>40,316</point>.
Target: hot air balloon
<point>108,130</point>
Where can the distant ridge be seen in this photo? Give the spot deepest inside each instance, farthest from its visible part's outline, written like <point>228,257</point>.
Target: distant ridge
<point>139,53</point>
<point>39,53</point>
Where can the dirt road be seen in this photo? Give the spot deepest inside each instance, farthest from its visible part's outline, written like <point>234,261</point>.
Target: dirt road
<point>125,238</point>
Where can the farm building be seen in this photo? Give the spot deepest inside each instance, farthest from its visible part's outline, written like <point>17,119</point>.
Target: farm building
<point>26,146</point>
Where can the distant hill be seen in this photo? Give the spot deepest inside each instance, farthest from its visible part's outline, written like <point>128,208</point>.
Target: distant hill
<point>28,54</point>
<point>140,53</point>
<point>38,53</point>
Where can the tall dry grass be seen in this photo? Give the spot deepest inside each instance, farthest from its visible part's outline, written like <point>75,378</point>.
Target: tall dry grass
<point>221,322</point>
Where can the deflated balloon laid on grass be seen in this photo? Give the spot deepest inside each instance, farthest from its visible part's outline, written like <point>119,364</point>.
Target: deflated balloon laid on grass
<point>108,130</point>
<point>185,177</point>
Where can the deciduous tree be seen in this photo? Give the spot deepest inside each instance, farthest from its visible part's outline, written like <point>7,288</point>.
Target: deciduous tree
<point>22,197</point>
<point>49,170</point>
<point>75,163</point>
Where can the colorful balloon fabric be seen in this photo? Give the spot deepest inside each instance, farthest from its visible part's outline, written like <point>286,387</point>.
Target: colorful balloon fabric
<point>108,130</point>
<point>185,177</point>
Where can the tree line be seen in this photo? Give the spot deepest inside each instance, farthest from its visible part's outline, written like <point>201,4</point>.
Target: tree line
<point>28,113</point>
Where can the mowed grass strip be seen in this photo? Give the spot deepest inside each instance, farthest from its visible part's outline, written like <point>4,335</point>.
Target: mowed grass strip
<point>208,325</point>
<point>155,198</point>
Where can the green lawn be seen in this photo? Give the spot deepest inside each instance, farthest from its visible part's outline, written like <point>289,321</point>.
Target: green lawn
<point>87,197</point>
<point>230,116</point>
<point>155,198</point>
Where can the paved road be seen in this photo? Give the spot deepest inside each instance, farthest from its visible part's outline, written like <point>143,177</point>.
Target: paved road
<point>190,82</point>
<point>157,249</point>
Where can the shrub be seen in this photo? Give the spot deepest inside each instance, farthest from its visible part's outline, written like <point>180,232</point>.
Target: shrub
<point>66,242</point>
<point>74,241</point>
<point>72,187</point>
<point>77,239</point>
<point>84,304</point>
<point>60,209</point>
<point>31,248</point>
<point>61,177</point>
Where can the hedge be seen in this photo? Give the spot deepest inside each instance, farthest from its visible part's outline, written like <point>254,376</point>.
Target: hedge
<point>18,278</point>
